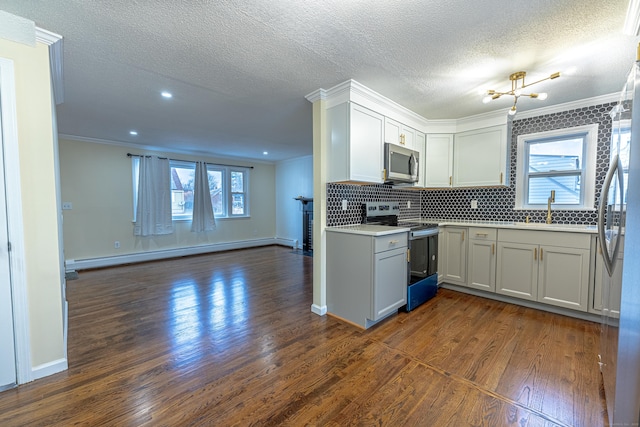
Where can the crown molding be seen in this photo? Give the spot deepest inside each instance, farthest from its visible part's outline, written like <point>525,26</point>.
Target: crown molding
<point>55,43</point>
<point>353,91</point>
<point>317,95</point>
<point>157,149</point>
<point>568,106</point>
<point>47,37</point>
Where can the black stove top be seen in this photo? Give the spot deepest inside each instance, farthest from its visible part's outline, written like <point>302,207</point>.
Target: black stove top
<point>386,213</point>
<point>417,225</point>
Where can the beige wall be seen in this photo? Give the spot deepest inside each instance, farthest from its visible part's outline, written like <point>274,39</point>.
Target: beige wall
<point>96,178</point>
<point>38,192</point>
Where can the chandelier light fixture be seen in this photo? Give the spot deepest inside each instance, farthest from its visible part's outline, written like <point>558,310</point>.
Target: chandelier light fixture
<point>517,85</point>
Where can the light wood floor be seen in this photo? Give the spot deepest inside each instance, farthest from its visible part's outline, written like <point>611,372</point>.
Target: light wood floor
<point>229,339</point>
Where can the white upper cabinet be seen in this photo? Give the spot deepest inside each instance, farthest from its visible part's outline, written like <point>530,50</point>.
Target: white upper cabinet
<point>438,160</point>
<point>480,157</point>
<point>399,134</point>
<point>355,152</point>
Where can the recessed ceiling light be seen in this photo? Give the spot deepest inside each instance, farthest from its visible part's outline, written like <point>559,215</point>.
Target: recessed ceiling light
<point>166,94</point>
<point>264,153</point>
<point>133,132</point>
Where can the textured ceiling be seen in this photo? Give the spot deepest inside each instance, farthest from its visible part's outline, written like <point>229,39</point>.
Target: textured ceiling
<point>239,70</point>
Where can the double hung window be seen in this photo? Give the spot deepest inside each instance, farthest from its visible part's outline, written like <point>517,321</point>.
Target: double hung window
<point>562,161</point>
<point>228,189</point>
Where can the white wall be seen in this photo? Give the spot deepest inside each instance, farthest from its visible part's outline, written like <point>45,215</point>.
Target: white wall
<point>96,178</point>
<point>294,178</point>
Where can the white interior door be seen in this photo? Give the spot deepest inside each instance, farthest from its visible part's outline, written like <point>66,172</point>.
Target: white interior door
<point>7,344</point>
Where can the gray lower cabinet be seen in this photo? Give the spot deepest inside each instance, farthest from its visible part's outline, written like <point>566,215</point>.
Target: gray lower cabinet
<point>366,276</point>
<point>548,267</point>
<point>482,259</point>
<point>454,261</point>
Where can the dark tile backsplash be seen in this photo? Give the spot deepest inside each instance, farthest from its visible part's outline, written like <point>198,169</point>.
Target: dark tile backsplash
<point>494,203</point>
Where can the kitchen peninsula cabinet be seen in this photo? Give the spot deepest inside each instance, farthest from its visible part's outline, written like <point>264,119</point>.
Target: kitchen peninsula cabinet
<point>548,267</point>
<point>366,273</point>
<point>454,262</point>
<point>356,149</point>
<point>482,258</point>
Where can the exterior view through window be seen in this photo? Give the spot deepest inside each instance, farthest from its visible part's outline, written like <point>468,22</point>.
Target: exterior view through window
<point>555,165</point>
<point>227,189</point>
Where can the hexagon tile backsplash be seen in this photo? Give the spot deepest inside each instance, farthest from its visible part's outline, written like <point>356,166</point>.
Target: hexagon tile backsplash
<point>494,203</point>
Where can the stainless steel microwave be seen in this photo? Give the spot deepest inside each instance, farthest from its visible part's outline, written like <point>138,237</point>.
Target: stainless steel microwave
<point>400,164</point>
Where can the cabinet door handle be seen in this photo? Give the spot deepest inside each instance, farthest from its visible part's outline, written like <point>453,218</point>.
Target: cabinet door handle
<point>493,249</point>
<point>535,254</point>
<point>408,255</point>
<point>540,254</point>
<point>500,177</point>
<point>463,236</point>
<point>384,174</point>
<point>450,180</point>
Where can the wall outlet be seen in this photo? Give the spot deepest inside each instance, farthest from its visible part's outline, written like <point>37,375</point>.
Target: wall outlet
<point>116,244</point>
<point>344,204</point>
<point>474,204</point>
<point>67,206</point>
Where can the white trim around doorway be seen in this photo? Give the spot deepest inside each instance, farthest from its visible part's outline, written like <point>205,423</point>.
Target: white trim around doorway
<point>15,227</point>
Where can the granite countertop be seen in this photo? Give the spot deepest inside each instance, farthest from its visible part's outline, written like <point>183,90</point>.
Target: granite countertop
<point>368,229</point>
<point>575,228</point>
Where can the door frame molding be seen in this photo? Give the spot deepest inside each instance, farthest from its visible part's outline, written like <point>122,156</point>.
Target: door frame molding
<point>15,228</point>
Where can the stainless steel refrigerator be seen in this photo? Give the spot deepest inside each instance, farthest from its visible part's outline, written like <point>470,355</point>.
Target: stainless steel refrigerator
<point>619,237</point>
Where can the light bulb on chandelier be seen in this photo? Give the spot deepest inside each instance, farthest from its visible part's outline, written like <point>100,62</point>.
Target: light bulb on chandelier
<point>517,85</point>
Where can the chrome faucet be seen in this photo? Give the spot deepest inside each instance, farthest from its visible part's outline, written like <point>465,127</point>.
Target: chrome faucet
<point>551,199</point>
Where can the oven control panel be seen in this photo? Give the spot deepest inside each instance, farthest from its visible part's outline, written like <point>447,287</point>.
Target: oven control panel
<point>382,208</point>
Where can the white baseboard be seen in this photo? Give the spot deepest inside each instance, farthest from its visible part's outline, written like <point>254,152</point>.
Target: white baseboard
<point>83,264</point>
<point>49,368</point>
<point>286,242</point>
<point>319,310</point>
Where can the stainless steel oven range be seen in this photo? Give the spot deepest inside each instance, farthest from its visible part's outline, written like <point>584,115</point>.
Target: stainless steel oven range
<point>422,268</point>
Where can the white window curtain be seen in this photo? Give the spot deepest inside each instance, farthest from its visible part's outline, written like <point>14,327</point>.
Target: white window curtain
<point>203,219</point>
<point>153,213</point>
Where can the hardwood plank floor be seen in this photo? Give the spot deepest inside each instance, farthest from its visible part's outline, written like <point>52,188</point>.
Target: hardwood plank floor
<point>229,339</point>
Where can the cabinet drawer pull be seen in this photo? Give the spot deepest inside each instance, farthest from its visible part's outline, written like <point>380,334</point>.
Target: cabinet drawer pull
<point>535,254</point>
<point>482,234</point>
<point>394,242</point>
<point>493,249</point>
